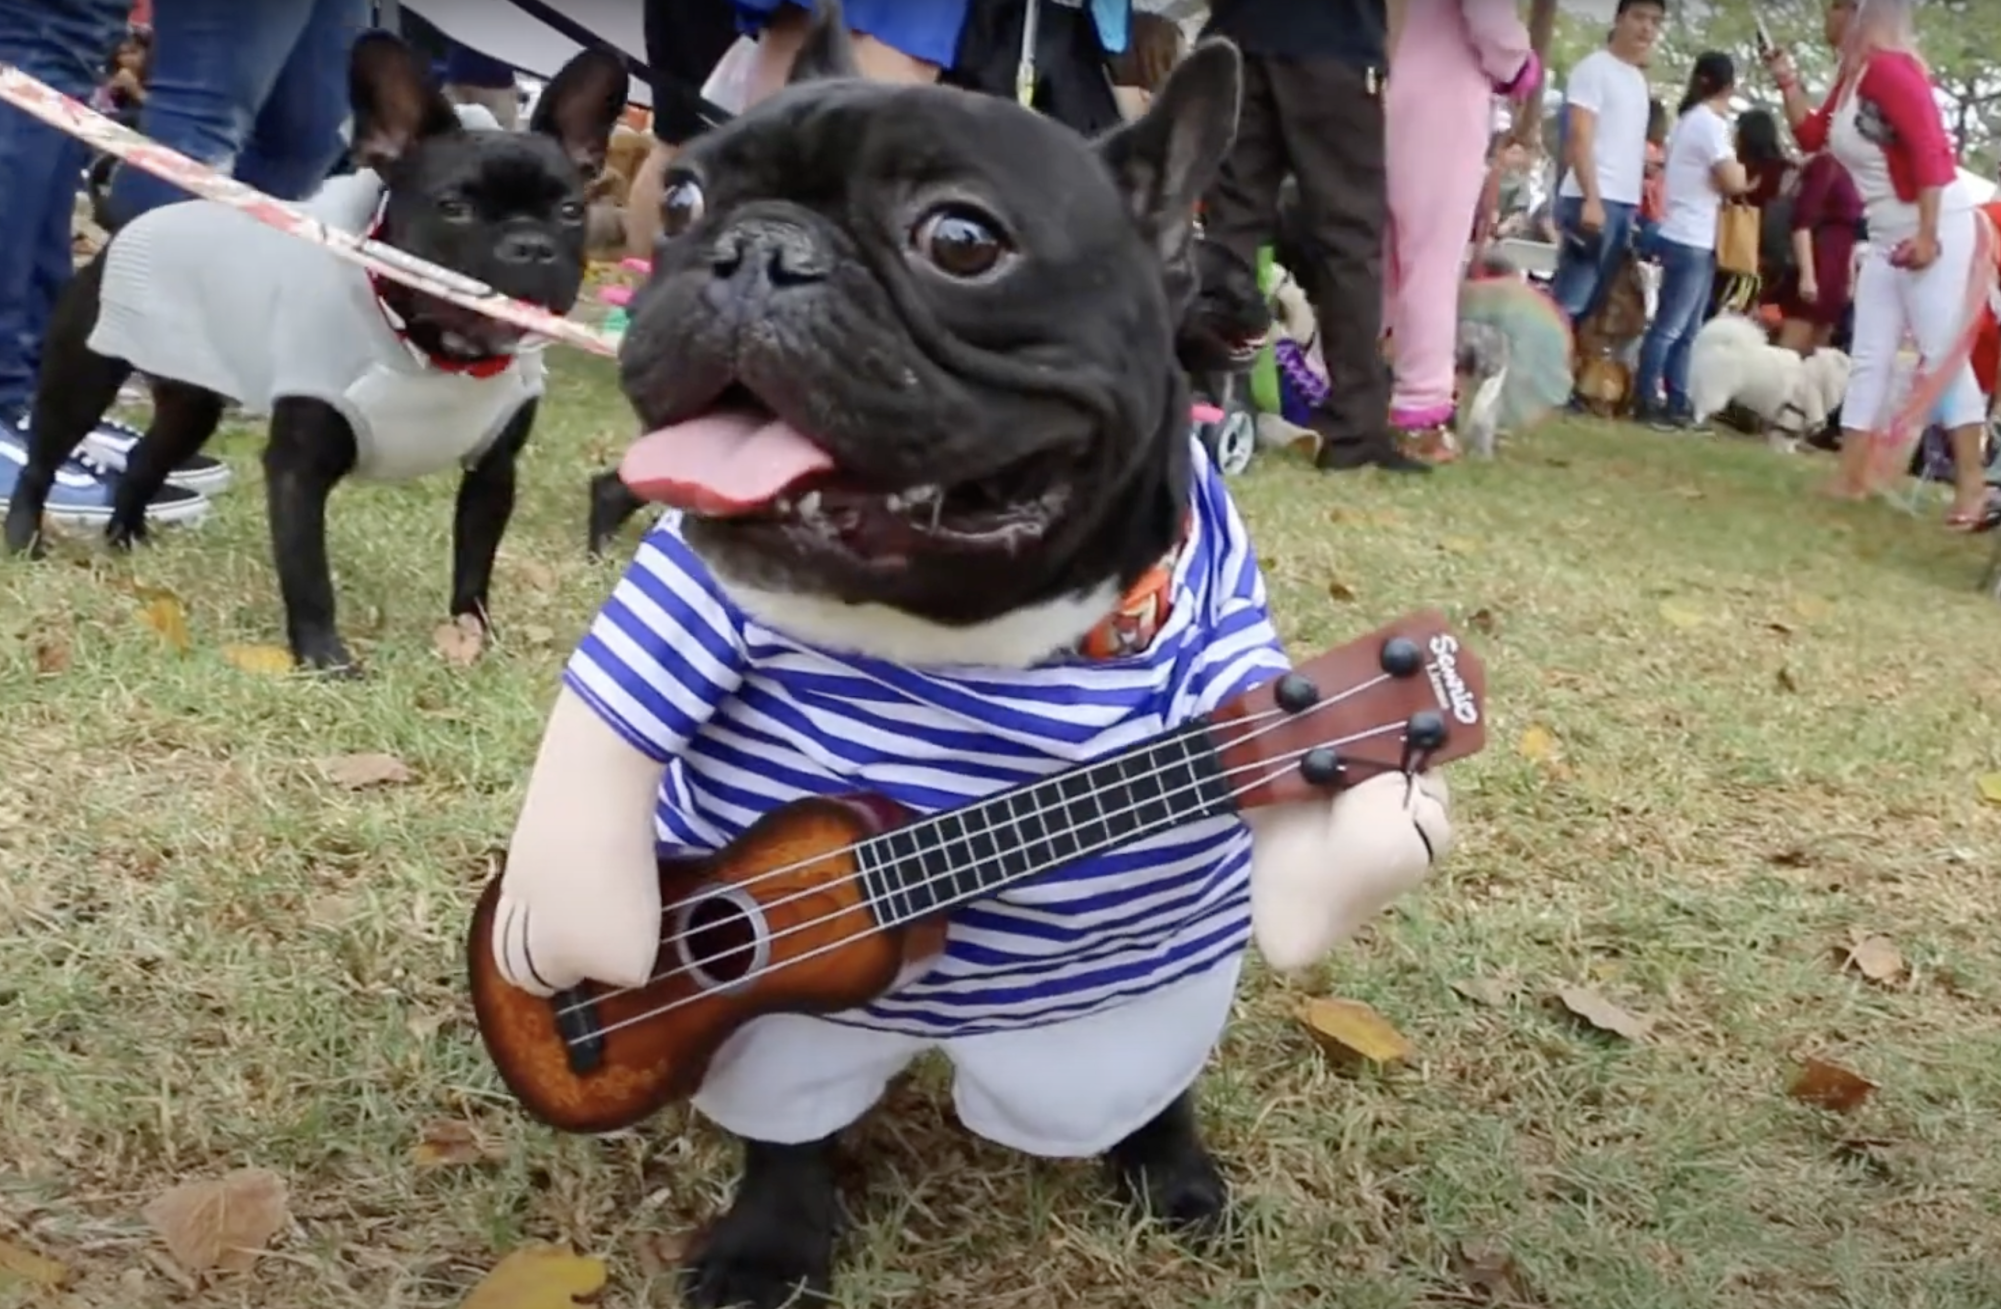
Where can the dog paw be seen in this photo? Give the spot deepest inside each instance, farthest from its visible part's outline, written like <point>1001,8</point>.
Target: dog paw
<point>1167,1174</point>
<point>746,1262</point>
<point>328,657</point>
<point>126,534</point>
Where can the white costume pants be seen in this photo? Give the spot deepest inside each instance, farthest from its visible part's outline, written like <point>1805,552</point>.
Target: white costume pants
<point>1066,1091</point>
<point>1890,301</point>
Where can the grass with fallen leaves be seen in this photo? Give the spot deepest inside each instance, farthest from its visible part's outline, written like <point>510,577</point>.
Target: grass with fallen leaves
<point>1725,864</point>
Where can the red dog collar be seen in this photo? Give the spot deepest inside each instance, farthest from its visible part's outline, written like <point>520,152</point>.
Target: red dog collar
<point>483,366</point>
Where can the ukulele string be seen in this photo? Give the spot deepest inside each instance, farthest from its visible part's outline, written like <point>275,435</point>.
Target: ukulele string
<point>1260,723</point>
<point>1275,766</point>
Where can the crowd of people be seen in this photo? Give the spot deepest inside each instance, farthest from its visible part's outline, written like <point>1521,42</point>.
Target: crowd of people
<point>1856,234</point>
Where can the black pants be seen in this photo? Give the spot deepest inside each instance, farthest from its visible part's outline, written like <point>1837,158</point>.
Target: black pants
<point>1322,122</point>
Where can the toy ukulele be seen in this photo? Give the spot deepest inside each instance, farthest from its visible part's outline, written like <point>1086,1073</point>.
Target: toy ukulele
<point>828,903</point>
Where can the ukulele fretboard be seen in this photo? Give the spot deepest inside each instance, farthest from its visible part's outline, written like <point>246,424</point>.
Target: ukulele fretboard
<point>951,858</point>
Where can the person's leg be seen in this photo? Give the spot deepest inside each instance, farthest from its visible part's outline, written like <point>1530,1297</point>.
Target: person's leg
<point>1435,147</point>
<point>1614,245</point>
<point>1575,284</point>
<point>1699,273</point>
<point>1240,210</point>
<point>1874,337</point>
<point>1797,335</point>
<point>215,63</point>
<point>1934,305</point>
<point>62,43</point>
<point>1331,116</point>
<point>297,135</point>
<point>783,31</point>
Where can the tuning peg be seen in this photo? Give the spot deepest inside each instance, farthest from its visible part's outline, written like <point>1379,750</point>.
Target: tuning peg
<point>1423,736</point>
<point>1296,693</point>
<point>1401,657</point>
<point>1322,767</point>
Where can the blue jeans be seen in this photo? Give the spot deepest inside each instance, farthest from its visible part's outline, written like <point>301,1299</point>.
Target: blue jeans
<point>1687,274</point>
<point>1584,262</point>
<point>258,91</point>
<point>64,43</point>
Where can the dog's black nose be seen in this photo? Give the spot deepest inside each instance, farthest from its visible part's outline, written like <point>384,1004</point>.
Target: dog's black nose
<point>772,250</point>
<point>526,248</point>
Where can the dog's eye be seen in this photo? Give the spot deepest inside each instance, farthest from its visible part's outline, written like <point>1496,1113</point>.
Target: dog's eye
<point>454,210</point>
<point>680,208</point>
<point>959,242</point>
<point>571,211</point>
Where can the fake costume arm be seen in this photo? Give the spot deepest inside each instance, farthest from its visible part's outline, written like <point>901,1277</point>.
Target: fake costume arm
<point>580,897</point>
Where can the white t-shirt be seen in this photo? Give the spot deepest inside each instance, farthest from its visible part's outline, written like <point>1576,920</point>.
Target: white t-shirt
<point>1617,93</point>
<point>1699,141</point>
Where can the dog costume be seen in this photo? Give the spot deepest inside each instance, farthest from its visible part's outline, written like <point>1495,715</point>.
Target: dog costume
<point>1452,58</point>
<point>205,294</point>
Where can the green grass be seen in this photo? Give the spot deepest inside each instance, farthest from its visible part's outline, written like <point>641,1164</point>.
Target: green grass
<point>1770,712</point>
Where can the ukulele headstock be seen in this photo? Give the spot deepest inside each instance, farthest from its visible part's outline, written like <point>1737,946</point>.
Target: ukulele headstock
<point>1407,697</point>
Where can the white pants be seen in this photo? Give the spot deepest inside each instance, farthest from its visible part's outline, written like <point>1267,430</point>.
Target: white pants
<point>1888,302</point>
<point>1066,1091</point>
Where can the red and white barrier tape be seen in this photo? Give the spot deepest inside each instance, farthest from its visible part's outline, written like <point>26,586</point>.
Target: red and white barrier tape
<point>81,121</point>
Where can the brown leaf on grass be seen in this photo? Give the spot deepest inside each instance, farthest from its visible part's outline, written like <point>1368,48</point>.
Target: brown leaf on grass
<point>1348,1030</point>
<point>538,575</point>
<point>1538,744</point>
<point>1484,622</point>
<point>1787,682</point>
<point>1812,608</point>
<point>262,660</point>
<point>1875,957</point>
<point>1340,592</point>
<point>460,641</point>
<point>1791,857</point>
<point>1489,991</point>
<point>1990,788</point>
<point>1780,629</point>
<point>164,613</point>
<point>1459,545</point>
<point>1830,1086</point>
<point>1595,1009</point>
<point>1680,613</point>
<point>18,1265</point>
<point>357,772</point>
<point>221,1224</point>
<point>539,1277</point>
<point>1492,1276</point>
<point>535,636</point>
<point>51,654</point>
<point>450,1143</point>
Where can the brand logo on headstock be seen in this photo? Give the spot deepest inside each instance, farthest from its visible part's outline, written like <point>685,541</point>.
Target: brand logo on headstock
<point>1454,696</point>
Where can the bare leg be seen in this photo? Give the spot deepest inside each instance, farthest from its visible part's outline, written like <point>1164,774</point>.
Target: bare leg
<point>1797,335</point>
<point>1969,478</point>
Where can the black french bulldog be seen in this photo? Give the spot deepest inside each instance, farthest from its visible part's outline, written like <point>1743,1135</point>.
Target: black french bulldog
<point>968,307</point>
<point>361,376</point>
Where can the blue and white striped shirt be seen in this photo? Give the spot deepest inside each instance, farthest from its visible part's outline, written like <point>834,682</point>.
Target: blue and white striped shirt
<point>747,719</point>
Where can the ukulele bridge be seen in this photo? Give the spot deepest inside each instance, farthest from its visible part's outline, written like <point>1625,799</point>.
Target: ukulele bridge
<point>720,937</point>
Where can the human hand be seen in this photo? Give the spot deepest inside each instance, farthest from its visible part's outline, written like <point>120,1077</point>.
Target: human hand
<point>1592,217</point>
<point>1809,290</point>
<point>1917,253</point>
<point>1779,63</point>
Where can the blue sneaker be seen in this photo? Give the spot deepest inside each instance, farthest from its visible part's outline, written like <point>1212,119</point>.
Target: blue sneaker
<point>82,494</point>
<point>111,445</point>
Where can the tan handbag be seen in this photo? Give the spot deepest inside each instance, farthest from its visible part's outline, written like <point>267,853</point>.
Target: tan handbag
<point>1737,240</point>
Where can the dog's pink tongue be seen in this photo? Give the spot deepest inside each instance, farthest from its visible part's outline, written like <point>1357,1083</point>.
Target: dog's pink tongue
<point>721,464</point>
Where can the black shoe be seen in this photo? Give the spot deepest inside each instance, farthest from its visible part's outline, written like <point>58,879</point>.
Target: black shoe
<point>1398,462</point>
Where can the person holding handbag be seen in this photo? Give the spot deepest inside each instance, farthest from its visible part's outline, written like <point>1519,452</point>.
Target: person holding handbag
<point>1700,172</point>
<point>1927,267</point>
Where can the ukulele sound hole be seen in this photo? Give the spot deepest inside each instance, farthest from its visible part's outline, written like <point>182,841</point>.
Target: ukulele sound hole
<point>721,940</point>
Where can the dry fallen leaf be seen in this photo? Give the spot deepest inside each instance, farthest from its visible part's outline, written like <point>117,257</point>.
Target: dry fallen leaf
<point>539,1277</point>
<point>221,1223</point>
<point>1990,788</point>
<point>1787,682</point>
<point>1812,607</point>
<point>1340,592</point>
<point>264,660</point>
<point>535,636</point>
<point>1679,614</point>
<point>359,771</point>
<point>1538,744</point>
<point>1492,1274</point>
<point>1484,622</point>
<point>537,574</point>
<point>1348,1029</point>
<point>18,1265</point>
<point>1876,958</point>
<point>164,614</point>
<point>450,1142</point>
<point>1780,629</point>
<point>1459,545</point>
<point>1602,1014</point>
<point>460,641</point>
<point>1489,991</point>
<point>1830,1086</point>
<point>52,654</point>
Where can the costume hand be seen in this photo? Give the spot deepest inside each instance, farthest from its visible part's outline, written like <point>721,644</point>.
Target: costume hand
<point>1592,217</point>
<point>556,927</point>
<point>1321,870</point>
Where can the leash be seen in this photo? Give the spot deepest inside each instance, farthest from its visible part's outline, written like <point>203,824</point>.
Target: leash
<point>79,120</point>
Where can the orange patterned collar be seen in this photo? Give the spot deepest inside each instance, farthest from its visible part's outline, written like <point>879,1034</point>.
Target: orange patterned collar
<point>1130,628</point>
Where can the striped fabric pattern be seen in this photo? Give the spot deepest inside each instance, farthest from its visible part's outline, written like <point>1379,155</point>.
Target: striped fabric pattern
<point>747,720</point>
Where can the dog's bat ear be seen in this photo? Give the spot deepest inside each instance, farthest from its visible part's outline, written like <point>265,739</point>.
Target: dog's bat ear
<point>1164,160</point>
<point>829,51</point>
<point>395,103</point>
<point>581,105</point>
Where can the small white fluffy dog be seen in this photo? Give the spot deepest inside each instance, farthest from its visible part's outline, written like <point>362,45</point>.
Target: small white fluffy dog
<point>1733,362</point>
